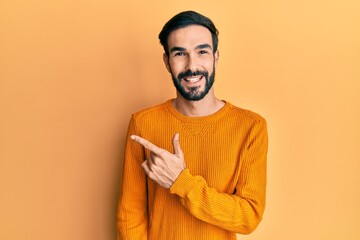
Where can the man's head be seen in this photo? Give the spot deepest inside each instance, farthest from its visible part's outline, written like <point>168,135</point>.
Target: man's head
<point>190,42</point>
<point>185,19</point>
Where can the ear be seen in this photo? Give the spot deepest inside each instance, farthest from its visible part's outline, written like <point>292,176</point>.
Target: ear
<point>166,61</point>
<point>216,57</point>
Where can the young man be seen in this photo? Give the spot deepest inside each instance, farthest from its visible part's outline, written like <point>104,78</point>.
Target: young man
<point>195,166</point>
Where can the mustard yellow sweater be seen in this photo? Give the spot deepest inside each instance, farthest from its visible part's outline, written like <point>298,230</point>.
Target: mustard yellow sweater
<point>220,193</point>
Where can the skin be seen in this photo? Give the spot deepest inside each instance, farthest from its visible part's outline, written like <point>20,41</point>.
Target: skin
<point>190,48</point>
<point>162,166</point>
<point>193,58</point>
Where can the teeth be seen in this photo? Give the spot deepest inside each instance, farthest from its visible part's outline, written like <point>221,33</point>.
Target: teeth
<point>192,79</point>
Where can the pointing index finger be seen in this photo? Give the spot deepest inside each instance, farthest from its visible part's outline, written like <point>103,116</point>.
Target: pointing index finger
<point>152,147</point>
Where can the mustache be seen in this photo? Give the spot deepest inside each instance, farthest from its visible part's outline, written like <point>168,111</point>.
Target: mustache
<point>190,73</point>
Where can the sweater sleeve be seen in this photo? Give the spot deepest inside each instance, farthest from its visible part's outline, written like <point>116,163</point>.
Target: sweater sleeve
<point>132,210</point>
<point>242,211</point>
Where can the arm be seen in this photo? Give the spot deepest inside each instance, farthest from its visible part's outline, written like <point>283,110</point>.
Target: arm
<point>132,212</point>
<point>242,211</point>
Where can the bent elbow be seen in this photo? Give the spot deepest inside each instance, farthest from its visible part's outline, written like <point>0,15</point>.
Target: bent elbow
<point>245,230</point>
<point>249,226</point>
<point>251,218</point>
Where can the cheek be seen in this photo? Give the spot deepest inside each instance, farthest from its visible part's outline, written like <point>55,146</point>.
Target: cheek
<point>176,67</point>
<point>207,63</point>
<point>209,67</point>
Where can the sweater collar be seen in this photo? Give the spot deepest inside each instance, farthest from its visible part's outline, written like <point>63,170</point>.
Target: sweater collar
<point>202,119</point>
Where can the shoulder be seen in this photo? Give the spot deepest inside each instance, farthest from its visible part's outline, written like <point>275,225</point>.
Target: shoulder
<point>151,119</point>
<point>249,121</point>
<point>151,113</point>
<point>246,115</point>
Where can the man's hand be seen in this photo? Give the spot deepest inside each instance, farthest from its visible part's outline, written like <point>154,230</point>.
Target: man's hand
<point>162,166</point>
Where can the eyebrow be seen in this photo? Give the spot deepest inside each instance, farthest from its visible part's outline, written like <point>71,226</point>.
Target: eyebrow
<point>201,46</point>
<point>174,49</point>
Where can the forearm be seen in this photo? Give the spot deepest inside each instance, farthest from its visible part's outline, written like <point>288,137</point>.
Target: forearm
<point>231,212</point>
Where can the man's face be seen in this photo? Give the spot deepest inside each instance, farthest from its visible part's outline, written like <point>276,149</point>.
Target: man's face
<point>191,61</point>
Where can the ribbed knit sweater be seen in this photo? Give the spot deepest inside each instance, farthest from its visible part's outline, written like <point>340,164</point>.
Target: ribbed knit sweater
<point>222,190</point>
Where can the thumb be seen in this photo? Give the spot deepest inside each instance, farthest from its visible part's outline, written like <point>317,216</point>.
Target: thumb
<point>176,144</point>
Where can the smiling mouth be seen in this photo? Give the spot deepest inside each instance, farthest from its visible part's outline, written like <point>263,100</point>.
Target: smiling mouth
<point>193,79</point>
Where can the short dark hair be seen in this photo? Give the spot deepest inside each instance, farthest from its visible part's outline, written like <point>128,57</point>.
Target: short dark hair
<point>185,19</point>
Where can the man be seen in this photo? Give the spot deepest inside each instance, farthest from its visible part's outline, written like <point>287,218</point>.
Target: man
<point>209,181</point>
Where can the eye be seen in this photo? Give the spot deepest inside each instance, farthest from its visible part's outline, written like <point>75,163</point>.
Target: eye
<point>203,52</point>
<point>179,54</point>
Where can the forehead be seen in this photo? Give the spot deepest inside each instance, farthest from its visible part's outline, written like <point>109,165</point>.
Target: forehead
<point>189,37</point>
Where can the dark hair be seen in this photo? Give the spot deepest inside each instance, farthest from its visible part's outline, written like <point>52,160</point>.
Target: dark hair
<point>185,19</point>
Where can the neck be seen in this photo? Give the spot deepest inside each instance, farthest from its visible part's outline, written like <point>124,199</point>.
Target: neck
<point>204,107</point>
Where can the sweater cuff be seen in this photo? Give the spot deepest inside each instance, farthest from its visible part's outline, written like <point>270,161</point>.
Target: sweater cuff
<point>183,184</point>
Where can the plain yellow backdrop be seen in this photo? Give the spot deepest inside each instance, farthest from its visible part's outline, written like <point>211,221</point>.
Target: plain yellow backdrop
<point>72,72</point>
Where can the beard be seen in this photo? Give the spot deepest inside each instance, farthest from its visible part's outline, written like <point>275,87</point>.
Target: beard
<point>194,93</point>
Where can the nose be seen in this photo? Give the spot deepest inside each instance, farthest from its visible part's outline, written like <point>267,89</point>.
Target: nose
<point>192,63</point>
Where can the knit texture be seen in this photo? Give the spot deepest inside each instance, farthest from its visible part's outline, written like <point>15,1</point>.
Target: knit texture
<point>222,190</point>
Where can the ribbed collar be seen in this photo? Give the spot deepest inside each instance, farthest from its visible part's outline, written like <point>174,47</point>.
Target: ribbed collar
<point>202,119</point>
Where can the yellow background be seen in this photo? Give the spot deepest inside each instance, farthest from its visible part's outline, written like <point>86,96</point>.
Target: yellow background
<point>72,72</point>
